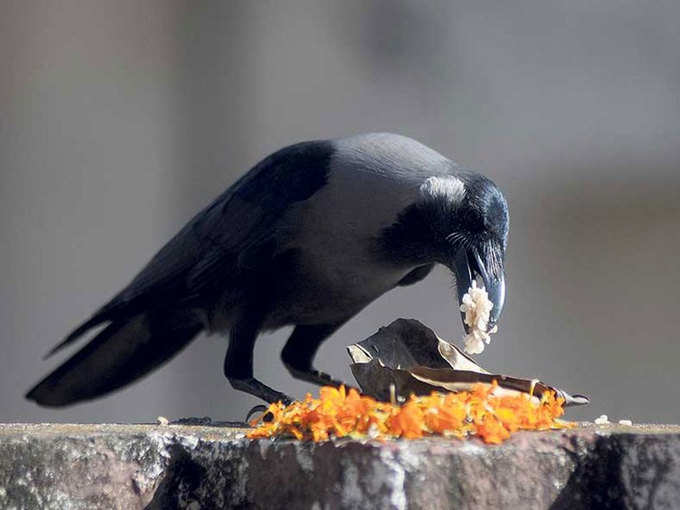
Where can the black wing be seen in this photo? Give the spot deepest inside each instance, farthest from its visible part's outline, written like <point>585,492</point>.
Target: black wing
<point>206,251</point>
<point>152,318</point>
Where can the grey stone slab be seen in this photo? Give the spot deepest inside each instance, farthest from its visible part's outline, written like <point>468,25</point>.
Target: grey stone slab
<point>56,466</point>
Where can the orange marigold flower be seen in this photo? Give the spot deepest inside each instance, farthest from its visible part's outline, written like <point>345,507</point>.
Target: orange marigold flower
<point>477,412</point>
<point>408,421</point>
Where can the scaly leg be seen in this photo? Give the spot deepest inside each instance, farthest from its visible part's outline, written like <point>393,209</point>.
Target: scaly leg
<point>300,349</point>
<point>238,364</point>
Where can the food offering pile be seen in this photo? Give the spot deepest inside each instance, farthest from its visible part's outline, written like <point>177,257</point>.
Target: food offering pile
<point>475,413</point>
<point>414,384</point>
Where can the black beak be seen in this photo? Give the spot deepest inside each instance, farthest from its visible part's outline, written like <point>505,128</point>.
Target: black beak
<point>469,266</point>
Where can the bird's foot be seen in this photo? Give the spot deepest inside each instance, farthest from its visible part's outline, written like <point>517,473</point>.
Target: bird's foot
<point>258,409</point>
<point>261,390</point>
<point>316,377</point>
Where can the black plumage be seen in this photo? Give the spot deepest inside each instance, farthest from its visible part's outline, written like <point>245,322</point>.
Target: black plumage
<point>308,237</point>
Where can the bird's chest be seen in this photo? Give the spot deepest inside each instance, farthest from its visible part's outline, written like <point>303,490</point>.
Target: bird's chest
<point>337,269</point>
<point>331,282</point>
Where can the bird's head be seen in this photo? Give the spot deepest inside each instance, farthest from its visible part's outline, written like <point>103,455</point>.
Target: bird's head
<point>460,221</point>
<point>470,220</point>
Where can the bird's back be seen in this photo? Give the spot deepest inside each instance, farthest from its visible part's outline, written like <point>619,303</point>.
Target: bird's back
<point>302,221</point>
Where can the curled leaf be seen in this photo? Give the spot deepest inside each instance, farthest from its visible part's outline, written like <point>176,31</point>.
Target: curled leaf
<point>410,358</point>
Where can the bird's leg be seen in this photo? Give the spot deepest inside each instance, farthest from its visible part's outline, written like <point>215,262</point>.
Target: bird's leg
<point>298,353</point>
<point>238,364</point>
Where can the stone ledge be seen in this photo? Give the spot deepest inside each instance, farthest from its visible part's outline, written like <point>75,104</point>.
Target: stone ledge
<point>176,466</point>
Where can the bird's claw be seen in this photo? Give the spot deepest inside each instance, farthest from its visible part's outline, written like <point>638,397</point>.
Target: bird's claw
<point>259,409</point>
<point>261,390</point>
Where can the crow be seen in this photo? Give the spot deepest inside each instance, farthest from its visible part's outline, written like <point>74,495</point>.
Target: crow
<point>308,237</point>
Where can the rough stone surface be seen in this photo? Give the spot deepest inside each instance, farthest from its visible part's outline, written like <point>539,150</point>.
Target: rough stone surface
<point>198,467</point>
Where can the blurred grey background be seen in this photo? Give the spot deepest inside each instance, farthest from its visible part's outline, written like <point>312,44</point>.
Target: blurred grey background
<point>119,120</point>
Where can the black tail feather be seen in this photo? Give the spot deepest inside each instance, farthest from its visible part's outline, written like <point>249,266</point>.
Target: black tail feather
<point>76,333</point>
<point>123,352</point>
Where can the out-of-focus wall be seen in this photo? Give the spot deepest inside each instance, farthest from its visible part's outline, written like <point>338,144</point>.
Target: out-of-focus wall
<point>119,120</point>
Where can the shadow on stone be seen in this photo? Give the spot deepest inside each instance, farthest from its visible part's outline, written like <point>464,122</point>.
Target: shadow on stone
<point>625,471</point>
<point>183,478</point>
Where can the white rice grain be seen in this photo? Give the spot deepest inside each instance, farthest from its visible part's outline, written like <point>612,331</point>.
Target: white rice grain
<point>602,420</point>
<point>477,307</point>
